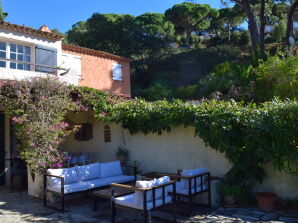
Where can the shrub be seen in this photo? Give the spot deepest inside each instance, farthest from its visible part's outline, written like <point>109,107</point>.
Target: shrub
<point>279,31</point>
<point>227,189</point>
<point>277,77</point>
<point>188,92</point>
<point>37,108</point>
<point>157,92</point>
<point>225,76</point>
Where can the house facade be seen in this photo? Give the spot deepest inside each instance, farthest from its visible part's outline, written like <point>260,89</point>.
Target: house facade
<point>26,52</point>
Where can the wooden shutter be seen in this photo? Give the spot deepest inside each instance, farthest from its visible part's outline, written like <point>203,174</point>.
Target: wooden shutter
<point>45,56</point>
<point>85,132</point>
<point>117,72</point>
<point>107,134</point>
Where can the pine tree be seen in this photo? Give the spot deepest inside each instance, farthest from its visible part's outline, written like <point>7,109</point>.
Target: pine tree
<point>3,15</point>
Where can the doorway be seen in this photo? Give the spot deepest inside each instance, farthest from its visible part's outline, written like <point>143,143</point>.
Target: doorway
<point>2,149</point>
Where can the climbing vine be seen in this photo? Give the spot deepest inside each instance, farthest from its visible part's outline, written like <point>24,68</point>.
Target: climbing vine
<point>251,136</point>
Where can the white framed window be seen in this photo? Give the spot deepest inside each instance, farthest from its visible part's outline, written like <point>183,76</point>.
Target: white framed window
<point>117,72</point>
<point>18,54</point>
<point>21,54</point>
<point>3,53</point>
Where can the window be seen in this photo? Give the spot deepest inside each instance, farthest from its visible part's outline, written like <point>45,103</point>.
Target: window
<point>84,132</point>
<point>117,72</point>
<point>107,133</point>
<point>45,56</point>
<point>2,54</point>
<point>20,54</point>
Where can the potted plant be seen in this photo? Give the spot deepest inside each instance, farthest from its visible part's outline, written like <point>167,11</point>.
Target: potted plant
<point>122,155</point>
<point>266,200</point>
<point>230,194</point>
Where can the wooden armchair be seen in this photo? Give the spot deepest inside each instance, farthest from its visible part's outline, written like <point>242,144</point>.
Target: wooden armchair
<point>189,186</point>
<point>152,198</point>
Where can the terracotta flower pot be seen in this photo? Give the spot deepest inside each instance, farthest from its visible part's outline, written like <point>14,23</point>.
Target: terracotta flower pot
<point>266,200</point>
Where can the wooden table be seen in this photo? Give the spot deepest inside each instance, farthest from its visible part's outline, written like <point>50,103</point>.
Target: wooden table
<point>107,194</point>
<point>153,175</point>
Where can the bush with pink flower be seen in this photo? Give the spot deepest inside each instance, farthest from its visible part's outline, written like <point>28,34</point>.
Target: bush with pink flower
<point>37,108</point>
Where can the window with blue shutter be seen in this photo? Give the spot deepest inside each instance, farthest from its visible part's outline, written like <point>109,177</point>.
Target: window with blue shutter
<point>46,56</point>
<point>117,72</point>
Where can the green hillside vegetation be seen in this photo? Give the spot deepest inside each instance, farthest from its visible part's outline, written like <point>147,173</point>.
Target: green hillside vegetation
<point>195,52</point>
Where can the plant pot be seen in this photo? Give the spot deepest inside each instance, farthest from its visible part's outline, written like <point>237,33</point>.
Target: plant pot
<point>229,199</point>
<point>122,160</point>
<point>266,200</point>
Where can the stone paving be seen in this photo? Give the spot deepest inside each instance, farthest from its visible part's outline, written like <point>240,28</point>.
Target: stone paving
<point>18,207</point>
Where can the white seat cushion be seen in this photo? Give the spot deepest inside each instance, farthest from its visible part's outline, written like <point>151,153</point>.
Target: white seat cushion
<point>110,169</point>
<point>108,180</point>
<point>70,188</point>
<point>69,174</point>
<point>190,173</point>
<point>88,172</point>
<point>181,190</point>
<point>128,201</point>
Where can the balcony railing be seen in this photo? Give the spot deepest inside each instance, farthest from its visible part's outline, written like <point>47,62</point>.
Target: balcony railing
<point>33,66</point>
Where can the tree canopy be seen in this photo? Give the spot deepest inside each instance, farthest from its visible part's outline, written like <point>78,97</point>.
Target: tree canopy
<point>189,17</point>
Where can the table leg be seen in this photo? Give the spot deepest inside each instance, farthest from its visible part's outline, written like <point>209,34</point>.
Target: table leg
<point>94,203</point>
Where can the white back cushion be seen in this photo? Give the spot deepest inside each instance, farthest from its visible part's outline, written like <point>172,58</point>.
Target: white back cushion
<point>69,174</point>
<point>144,184</point>
<point>158,182</point>
<point>139,195</point>
<point>185,182</point>
<point>88,172</point>
<point>110,169</point>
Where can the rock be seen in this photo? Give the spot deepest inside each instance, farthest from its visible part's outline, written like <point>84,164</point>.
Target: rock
<point>288,219</point>
<point>246,217</point>
<point>259,212</point>
<point>269,217</point>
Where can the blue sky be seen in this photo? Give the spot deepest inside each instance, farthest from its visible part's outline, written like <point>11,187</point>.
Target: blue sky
<point>62,14</point>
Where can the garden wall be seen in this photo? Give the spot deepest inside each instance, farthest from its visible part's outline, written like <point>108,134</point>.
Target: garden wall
<point>178,149</point>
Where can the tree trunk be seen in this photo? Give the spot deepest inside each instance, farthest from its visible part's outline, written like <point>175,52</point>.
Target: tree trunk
<point>262,26</point>
<point>229,34</point>
<point>253,28</point>
<point>187,38</point>
<point>290,26</point>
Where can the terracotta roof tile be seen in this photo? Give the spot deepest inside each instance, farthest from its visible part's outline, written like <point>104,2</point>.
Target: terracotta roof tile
<point>98,53</point>
<point>31,31</point>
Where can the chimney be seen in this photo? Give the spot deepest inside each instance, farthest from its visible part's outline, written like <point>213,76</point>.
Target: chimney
<point>44,28</point>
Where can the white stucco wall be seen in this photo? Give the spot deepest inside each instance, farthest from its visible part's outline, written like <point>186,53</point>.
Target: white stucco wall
<point>178,149</point>
<point>104,152</point>
<point>74,62</point>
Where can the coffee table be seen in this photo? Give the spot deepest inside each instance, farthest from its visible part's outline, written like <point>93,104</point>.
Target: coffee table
<point>106,193</point>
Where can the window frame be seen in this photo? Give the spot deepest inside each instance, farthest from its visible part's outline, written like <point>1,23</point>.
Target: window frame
<point>19,62</point>
<point>8,56</point>
<point>115,78</point>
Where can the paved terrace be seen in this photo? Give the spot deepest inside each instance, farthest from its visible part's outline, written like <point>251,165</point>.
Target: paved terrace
<point>19,207</point>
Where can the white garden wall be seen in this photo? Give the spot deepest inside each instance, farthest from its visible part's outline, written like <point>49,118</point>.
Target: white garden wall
<point>178,149</point>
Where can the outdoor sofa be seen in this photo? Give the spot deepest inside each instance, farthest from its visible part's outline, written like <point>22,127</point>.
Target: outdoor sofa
<point>66,181</point>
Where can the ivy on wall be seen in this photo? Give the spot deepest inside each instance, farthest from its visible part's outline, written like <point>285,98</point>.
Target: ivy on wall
<point>250,136</point>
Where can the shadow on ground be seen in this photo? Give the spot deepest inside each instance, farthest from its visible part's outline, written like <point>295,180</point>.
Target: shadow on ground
<point>19,207</point>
